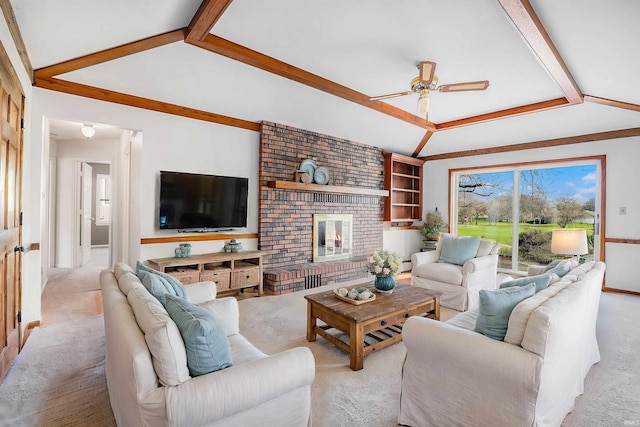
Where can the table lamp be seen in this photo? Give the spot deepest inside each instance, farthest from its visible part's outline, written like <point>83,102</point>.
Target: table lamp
<point>569,241</point>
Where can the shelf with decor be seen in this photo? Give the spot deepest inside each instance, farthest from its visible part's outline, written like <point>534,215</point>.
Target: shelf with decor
<point>403,180</point>
<point>231,271</point>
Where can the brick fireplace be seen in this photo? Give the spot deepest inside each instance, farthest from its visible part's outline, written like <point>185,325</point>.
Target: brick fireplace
<point>286,216</point>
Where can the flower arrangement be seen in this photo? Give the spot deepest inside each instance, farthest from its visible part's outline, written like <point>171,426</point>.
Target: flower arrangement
<point>384,263</point>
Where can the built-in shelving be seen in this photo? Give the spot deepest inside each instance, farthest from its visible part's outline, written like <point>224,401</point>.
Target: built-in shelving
<point>290,185</point>
<point>403,180</point>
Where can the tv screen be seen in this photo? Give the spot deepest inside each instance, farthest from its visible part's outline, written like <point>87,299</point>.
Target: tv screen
<point>195,202</point>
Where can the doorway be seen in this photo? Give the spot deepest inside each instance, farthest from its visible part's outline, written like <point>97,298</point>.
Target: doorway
<point>95,204</point>
<point>82,217</point>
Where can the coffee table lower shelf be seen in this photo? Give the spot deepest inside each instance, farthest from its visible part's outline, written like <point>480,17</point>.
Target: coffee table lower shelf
<point>376,340</point>
<point>364,329</point>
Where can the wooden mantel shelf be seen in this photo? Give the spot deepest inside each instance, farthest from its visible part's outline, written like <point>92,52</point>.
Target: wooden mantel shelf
<point>290,185</point>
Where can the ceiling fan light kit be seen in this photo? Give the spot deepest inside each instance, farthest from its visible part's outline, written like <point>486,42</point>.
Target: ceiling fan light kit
<point>426,82</point>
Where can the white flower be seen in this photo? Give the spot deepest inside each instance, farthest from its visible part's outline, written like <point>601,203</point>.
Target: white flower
<point>384,263</point>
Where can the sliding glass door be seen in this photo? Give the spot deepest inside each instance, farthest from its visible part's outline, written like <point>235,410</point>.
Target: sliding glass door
<point>520,206</point>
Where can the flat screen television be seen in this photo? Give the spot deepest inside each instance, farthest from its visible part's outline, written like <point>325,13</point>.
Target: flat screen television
<point>197,202</point>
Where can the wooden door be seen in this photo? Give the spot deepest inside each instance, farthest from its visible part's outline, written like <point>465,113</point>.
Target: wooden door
<point>11,112</point>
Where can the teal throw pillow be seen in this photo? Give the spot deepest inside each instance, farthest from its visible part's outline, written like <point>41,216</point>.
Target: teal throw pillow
<point>206,343</point>
<point>174,286</point>
<point>496,307</point>
<point>154,285</point>
<point>541,281</point>
<point>562,268</point>
<point>458,250</point>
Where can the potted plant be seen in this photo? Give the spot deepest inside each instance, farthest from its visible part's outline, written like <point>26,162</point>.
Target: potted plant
<point>433,225</point>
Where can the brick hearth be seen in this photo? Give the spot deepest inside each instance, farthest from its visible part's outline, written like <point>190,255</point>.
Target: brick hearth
<point>286,216</point>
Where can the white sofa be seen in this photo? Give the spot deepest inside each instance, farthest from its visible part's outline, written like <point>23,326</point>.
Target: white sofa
<point>453,376</point>
<point>257,390</point>
<point>459,284</point>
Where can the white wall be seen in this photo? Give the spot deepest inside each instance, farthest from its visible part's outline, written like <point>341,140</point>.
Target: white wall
<point>622,176</point>
<point>169,143</point>
<point>404,243</point>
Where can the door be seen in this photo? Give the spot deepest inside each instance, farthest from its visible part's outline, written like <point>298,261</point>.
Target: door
<point>11,112</point>
<point>85,213</point>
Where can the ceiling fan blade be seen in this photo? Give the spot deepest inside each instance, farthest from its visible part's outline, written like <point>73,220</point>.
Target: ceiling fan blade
<point>460,87</point>
<point>392,95</point>
<point>427,70</point>
<point>423,105</point>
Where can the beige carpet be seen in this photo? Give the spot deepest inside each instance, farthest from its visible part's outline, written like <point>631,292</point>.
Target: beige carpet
<point>340,396</point>
<point>58,378</point>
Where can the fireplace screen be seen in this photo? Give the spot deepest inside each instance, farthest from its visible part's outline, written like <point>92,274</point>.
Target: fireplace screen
<point>331,237</point>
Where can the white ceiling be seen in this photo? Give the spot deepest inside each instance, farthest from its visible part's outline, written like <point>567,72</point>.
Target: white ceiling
<point>373,50</point>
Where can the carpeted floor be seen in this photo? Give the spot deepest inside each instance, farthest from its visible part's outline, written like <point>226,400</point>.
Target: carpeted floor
<point>58,378</point>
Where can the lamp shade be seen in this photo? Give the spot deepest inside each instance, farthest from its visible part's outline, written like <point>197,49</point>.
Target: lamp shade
<point>569,241</point>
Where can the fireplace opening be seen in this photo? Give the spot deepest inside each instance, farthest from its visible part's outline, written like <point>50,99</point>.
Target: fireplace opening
<point>331,237</point>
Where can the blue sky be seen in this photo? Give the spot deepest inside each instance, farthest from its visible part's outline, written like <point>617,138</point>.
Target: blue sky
<point>578,182</point>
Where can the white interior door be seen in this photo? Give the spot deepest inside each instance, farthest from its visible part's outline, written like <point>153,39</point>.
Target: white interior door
<point>85,214</point>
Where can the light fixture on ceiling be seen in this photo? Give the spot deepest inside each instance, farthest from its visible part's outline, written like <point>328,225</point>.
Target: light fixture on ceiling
<point>88,130</point>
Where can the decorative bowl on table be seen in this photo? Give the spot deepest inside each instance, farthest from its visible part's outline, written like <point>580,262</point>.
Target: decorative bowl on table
<point>359,295</point>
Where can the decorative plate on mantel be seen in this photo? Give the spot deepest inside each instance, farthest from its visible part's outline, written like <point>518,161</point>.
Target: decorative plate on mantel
<point>321,176</point>
<point>309,162</point>
<point>308,166</point>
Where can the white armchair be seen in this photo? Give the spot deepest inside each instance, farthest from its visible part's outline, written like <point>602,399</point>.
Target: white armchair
<point>460,284</point>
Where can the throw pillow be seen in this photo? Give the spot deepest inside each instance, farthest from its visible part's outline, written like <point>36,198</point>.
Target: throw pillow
<point>173,285</point>
<point>541,281</point>
<point>154,285</point>
<point>496,307</point>
<point>163,338</point>
<point>562,268</point>
<point>204,338</point>
<point>552,264</point>
<point>458,250</point>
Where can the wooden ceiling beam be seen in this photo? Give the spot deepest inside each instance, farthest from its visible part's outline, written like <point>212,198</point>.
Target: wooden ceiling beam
<point>579,139</point>
<point>138,102</point>
<point>256,59</point>
<point>527,22</point>
<point>509,112</point>
<point>12,23</point>
<point>423,142</point>
<point>612,103</point>
<point>205,18</point>
<point>111,54</point>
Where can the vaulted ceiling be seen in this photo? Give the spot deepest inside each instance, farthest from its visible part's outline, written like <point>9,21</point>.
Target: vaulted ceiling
<point>559,71</point>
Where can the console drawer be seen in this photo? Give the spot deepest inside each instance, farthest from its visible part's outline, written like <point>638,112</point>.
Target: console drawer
<point>220,275</point>
<point>244,277</point>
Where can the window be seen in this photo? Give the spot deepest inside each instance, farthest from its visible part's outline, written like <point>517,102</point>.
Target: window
<point>103,196</point>
<point>519,206</point>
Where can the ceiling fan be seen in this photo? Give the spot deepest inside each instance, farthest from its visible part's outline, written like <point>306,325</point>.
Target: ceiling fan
<point>427,82</point>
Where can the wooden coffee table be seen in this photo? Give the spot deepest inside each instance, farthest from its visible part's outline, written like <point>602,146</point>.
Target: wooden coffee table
<point>371,326</point>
